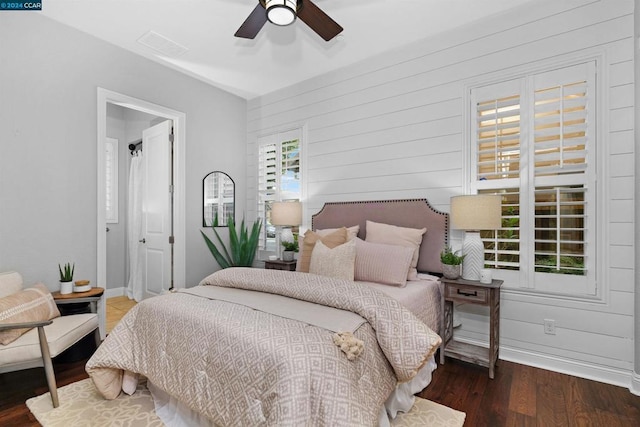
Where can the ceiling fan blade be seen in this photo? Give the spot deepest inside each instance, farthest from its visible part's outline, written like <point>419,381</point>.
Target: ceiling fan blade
<point>253,24</point>
<point>318,21</point>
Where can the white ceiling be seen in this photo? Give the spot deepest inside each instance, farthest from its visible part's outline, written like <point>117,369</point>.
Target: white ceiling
<point>278,56</point>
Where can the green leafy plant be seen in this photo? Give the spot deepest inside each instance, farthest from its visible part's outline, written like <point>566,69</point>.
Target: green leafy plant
<point>291,246</point>
<point>448,257</point>
<point>66,272</point>
<point>242,245</point>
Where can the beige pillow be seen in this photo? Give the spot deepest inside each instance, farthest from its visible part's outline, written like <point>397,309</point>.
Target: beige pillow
<point>381,263</point>
<point>331,240</point>
<point>337,262</point>
<point>394,235</point>
<point>352,232</point>
<point>30,305</point>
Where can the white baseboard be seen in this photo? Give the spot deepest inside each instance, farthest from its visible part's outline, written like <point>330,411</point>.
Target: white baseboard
<point>635,384</point>
<point>614,376</point>
<point>115,292</point>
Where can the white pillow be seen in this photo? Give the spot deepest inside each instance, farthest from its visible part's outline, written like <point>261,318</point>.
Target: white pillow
<point>337,262</point>
<point>381,263</point>
<point>394,235</point>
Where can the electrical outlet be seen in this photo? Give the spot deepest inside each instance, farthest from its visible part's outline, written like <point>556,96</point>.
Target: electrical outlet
<point>549,326</point>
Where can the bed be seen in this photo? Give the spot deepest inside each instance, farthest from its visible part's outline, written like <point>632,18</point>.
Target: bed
<point>268,347</point>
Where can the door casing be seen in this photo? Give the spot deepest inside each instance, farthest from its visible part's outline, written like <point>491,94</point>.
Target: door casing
<point>105,97</point>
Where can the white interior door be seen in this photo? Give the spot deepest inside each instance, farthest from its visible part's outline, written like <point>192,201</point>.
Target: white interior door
<point>157,213</point>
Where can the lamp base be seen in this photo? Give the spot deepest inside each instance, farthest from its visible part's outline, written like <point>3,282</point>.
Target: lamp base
<point>473,250</point>
<point>285,235</point>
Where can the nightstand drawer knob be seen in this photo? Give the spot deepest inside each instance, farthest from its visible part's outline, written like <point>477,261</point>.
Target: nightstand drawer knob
<point>467,294</point>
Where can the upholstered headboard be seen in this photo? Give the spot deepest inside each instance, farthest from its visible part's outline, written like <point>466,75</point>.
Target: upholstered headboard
<point>412,213</point>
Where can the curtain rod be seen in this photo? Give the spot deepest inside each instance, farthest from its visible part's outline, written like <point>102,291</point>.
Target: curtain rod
<point>135,146</point>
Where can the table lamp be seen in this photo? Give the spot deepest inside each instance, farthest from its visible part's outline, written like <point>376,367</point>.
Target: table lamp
<point>285,215</point>
<point>473,213</point>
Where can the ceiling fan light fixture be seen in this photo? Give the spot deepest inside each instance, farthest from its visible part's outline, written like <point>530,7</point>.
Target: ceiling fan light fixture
<point>281,12</point>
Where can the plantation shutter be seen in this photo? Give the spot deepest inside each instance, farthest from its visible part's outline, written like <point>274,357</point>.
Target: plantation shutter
<point>268,183</point>
<point>561,117</point>
<point>564,199</point>
<point>497,130</point>
<point>534,145</point>
<point>279,176</point>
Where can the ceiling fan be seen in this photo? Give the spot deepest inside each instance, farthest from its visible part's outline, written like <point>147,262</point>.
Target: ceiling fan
<point>284,12</point>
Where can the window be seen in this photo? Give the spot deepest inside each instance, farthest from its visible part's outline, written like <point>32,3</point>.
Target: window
<point>279,178</point>
<point>534,144</point>
<point>111,164</point>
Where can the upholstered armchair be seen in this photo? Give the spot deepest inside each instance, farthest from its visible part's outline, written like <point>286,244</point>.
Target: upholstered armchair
<point>45,339</point>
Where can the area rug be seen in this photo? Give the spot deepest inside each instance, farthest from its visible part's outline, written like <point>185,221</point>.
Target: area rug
<point>82,406</point>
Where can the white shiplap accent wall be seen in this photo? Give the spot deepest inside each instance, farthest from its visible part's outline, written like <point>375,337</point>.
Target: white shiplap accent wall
<point>395,127</point>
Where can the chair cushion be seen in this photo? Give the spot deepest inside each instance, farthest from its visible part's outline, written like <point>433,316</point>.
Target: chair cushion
<point>61,334</point>
<point>10,283</point>
<point>30,305</point>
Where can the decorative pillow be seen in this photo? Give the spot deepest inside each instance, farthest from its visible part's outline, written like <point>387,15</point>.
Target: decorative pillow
<point>337,262</point>
<point>352,232</point>
<point>331,240</point>
<point>394,235</point>
<point>30,305</point>
<point>381,263</point>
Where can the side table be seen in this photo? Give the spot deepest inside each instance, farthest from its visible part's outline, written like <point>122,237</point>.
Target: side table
<point>278,264</point>
<point>74,303</point>
<point>471,292</point>
<point>79,299</point>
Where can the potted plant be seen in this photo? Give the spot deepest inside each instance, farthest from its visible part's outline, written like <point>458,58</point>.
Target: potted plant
<point>242,245</point>
<point>290,247</point>
<point>66,278</point>
<point>451,263</point>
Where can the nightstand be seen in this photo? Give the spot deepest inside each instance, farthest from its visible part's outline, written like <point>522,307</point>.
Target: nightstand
<point>278,264</point>
<point>470,292</point>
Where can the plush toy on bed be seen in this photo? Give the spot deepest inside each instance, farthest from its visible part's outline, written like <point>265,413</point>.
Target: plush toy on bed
<point>350,345</point>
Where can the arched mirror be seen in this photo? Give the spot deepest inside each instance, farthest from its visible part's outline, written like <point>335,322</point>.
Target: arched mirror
<point>218,199</point>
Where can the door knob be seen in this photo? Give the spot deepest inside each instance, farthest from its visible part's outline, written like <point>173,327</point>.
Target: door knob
<point>143,240</point>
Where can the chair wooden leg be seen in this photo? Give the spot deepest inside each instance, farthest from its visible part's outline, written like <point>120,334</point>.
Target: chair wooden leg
<point>48,366</point>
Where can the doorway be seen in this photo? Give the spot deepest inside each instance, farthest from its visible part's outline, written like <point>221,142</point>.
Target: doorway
<point>140,112</point>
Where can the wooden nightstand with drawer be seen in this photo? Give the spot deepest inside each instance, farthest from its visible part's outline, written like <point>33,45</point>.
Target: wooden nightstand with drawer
<point>278,264</point>
<point>471,292</point>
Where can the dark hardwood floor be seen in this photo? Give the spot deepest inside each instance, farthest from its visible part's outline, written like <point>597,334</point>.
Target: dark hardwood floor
<point>518,396</point>
<point>521,395</point>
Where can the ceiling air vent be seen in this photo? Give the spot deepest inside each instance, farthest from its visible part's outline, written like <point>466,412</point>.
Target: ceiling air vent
<point>162,44</point>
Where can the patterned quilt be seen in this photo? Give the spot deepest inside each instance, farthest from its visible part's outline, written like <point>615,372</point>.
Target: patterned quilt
<point>239,366</point>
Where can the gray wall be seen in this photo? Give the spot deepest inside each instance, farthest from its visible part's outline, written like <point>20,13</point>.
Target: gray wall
<point>49,74</point>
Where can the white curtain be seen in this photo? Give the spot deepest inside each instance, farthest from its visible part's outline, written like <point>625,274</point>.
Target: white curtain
<point>135,232</point>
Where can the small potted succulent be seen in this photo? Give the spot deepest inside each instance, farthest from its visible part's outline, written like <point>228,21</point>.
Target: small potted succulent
<point>451,263</point>
<point>290,247</point>
<point>66,278</point>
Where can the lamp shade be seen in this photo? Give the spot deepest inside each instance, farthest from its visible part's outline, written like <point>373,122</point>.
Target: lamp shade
<point>286,213</point>
<point>476,212</point>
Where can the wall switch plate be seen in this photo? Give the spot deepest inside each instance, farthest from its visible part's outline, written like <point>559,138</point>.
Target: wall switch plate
<point>549,326</point>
